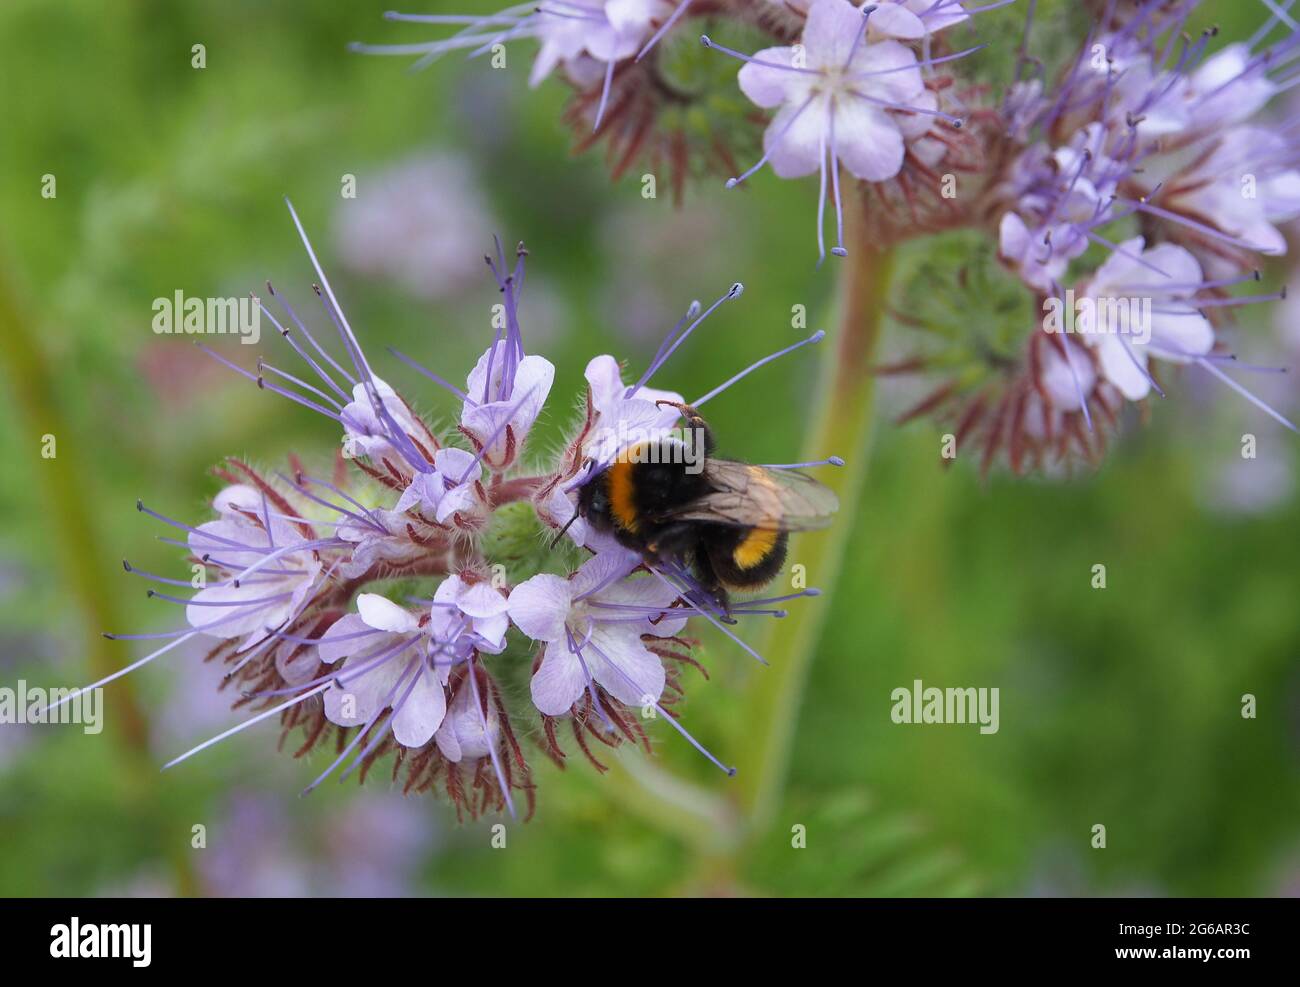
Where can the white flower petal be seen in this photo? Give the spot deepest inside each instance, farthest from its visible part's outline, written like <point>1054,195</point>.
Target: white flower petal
<point>1122,370</point>
<point>385,615</point>
<point>454,463</point>
<point>888,70</point>
<point>868,140</point>
<point>770,79</point>
<point>462,735</point>
<point>338,641</point>
<point>365,695</point>
<point>601,570</point>
<point>244,615</point>
<point>623,666</point>
<point>559,681</point>
<point>458,499</point>
<point>421,713</point>
<point>540,605</point>
<point>795,139</point>
<point>238,497</point>
<point>481,600</point>
<point>1181,336</point>
<point>893,20</point>
<point>831,29</point>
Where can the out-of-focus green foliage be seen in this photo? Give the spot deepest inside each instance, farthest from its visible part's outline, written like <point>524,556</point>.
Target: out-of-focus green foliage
<point>1118,706</point>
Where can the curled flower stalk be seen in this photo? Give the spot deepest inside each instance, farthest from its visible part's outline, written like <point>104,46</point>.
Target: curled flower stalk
<point>385,607</point>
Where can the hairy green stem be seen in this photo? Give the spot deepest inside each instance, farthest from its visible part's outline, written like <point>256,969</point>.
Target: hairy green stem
<point>841,424</point>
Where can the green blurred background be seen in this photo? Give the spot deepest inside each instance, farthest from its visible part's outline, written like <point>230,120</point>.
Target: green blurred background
<point>1119,706</point>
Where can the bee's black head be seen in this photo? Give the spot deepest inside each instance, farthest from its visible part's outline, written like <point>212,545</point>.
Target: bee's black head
<point>593,502</point>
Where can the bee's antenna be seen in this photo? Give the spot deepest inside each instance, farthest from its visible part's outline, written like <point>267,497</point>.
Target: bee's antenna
<point>567,525</point>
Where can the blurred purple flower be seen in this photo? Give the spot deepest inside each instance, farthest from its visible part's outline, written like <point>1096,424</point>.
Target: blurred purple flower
<point>416,224</point>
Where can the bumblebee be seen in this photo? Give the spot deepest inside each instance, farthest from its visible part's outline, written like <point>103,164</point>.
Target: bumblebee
<point>727,521</point>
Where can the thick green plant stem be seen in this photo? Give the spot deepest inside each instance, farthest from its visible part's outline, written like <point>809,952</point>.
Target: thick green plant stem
<point>840,424</point>
<point>65,493</point>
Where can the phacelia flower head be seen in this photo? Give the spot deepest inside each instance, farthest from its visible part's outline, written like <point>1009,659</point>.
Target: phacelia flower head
<point>1134,200</point>
<point>375,612</point>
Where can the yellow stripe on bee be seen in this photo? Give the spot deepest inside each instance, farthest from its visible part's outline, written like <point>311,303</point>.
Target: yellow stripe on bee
<point>755,547</point>
<point>622,499</point>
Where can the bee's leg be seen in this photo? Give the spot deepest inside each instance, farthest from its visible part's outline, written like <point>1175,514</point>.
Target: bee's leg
<point>681,543</point>
<point>708,580</point>
<point>695,422</point>
<point>673,541</point>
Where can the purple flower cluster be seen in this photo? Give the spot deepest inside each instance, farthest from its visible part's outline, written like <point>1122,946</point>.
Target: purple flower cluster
<point>305,583</point>
<point>1135,192</point>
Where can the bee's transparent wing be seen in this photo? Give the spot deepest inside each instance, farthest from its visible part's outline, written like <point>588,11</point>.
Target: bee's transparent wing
<point>756,497</point>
